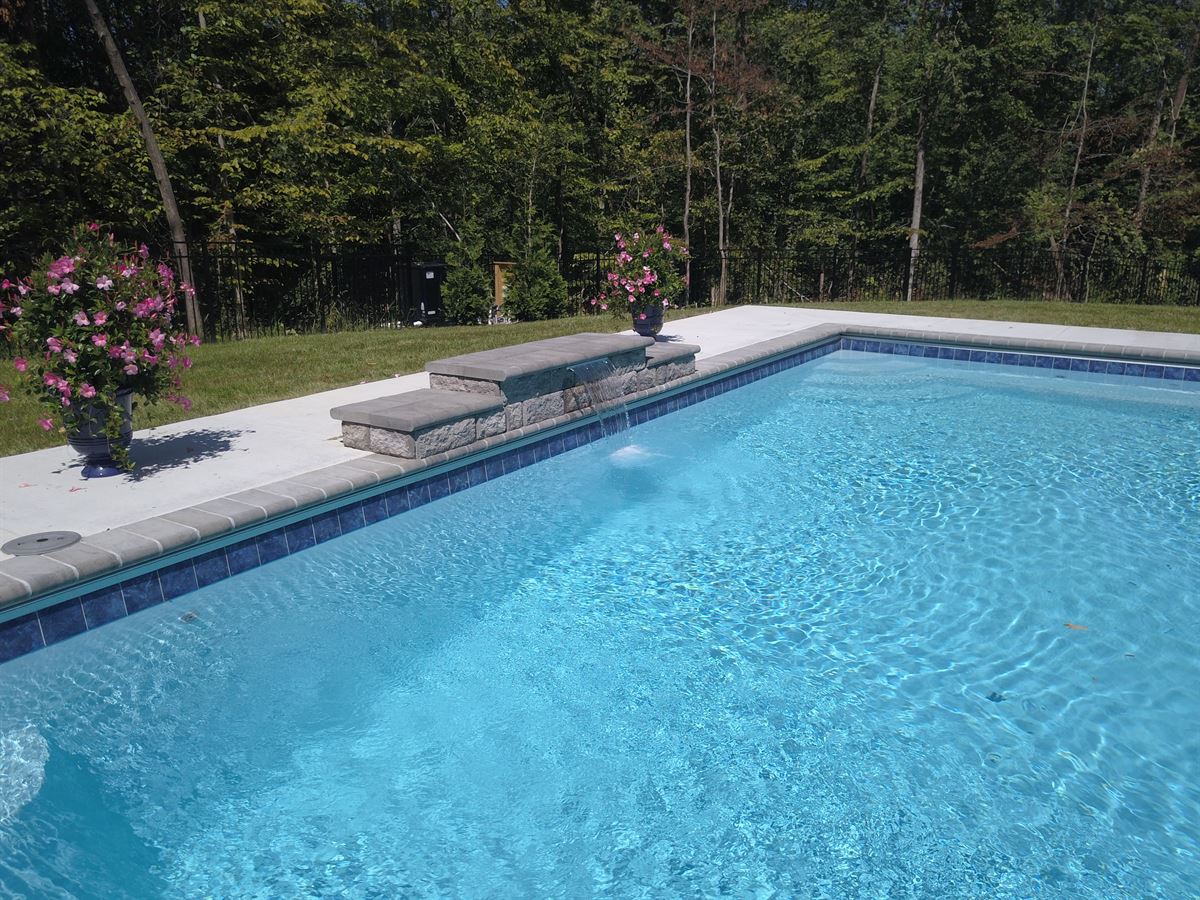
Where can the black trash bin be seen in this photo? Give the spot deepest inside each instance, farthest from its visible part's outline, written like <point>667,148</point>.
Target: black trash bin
<point>426,284</point>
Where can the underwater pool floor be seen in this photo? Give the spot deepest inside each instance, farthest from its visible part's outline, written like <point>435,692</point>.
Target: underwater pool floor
<point>874,626</point>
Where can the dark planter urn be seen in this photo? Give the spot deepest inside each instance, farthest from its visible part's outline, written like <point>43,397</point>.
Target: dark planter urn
<point>87,437</point>
<point>648,321</point>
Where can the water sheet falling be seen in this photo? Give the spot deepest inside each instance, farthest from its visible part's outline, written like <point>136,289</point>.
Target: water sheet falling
<point>605,390</point>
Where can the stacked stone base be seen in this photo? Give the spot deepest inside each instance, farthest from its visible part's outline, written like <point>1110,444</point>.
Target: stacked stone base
<point>490,394</point>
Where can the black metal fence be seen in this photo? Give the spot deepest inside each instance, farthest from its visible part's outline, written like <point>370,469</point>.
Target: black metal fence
<point>247,289</point>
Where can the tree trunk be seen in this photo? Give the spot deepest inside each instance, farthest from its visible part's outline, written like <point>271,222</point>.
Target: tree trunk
<point>687,145</point>
<point>716,130</point>
<point>914,231</point>
<point>1139,211</point>
<point>1181,86</point>
<point>1081,120</point>
<point>157,164</point>
<point>863,169</point>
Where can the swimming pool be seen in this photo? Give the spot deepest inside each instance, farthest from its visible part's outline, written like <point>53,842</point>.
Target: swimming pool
<point>874,626</point>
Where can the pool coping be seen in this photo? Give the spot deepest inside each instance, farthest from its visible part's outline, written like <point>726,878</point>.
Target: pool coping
<point>47,598</point>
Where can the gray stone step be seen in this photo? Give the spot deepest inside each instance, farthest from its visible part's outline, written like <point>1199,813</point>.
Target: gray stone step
<point>417,410</point>
<point>505,363</point>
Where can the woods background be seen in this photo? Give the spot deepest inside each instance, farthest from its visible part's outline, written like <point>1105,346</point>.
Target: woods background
<point>835,130</point>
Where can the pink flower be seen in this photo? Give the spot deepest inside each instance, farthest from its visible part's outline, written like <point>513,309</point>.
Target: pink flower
<point>23,289</point>
<point>54,344</point>
<point>62,266</point>
<point>604,306</point>
<point>144,251</point>
<point>120,306</point>
<point>165,272</point>
<point>592,301</point>
<point>185,403</point>
<point>194,340</point>
<point>130,369</point>
<point>100,340</point>
<point>53,290</point>
<point>666,245</point>
<point>125,270</point>
<point>641,317</point>
<point>68,286</point>
<point>104,282</point>
<point>16,311</point>
<point>70,356</point>
<point>20,364</point>
<point>666,303</point>
<point>49,379</point>
<point>100,318</point>
<point>93,226</point>
<point>87,391</point>
<point>3,394</point>
<point>81,318</point>
<point>66,402</point>
<point>46,424</point>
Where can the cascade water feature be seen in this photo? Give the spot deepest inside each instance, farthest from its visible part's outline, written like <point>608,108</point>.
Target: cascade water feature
<point>605,392</point>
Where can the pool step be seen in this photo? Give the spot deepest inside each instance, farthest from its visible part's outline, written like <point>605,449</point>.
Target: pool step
<point>496,393</point>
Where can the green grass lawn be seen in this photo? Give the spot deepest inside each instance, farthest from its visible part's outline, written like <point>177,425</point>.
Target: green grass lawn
<point>233,375</point>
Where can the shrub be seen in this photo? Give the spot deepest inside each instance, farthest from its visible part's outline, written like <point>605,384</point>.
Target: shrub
<point>538,290</point>
<point>467,292</point>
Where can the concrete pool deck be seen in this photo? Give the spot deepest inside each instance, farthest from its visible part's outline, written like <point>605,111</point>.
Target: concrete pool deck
<point>200,460</point>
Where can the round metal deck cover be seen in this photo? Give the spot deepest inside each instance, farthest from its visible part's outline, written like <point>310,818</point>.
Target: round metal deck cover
<point>43,542</point>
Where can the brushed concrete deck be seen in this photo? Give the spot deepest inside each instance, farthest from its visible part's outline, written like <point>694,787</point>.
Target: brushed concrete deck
<point>200,460</point>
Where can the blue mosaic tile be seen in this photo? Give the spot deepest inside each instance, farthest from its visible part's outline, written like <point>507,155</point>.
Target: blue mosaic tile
<point>242,556</point>
<point>856,344</point>
<point>477,472</point>
<point>991,356</point>
<point>1097,365</point>
<point>177,580</point>
<point>871,346</point>
<point>299,536</point>
<point>886,346</point>
<point>271,546</point>
<point>1077,365</point>
<point>1026,359</point>
<point>494,465</point>
<point>1009,359</point>
<point>397,502</point>
<point>976,356</point>
<point>438,487</point>
<point>375,509</point>
<point>458,480</point>
<point>1136,369</point>
<point>541,451</point>
<point>62,621</point>
<point>945,353</point>
<point>418,495</point>
<point>210,568</point>
<point>1114,368</point>
<point>962,354</point>
<point>1191,374</point>
<point>142,592</point>
<point>101,607</point>
<point>20,636</point>
<point>326,525</point>
<point>1060,362</point>
<point>1153,371</point>
<point>1043,362</point>
<point>351,517</point>
<point>931,352</point>
<point>1172,373</point>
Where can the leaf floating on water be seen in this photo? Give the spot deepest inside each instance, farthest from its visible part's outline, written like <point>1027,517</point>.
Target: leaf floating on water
<point>996,697</point>
<point>74,489</point>
<point>1075,627</point>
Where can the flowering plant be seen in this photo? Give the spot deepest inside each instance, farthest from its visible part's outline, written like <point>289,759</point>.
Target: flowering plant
<point>645,273</point>
<point>91,324</point>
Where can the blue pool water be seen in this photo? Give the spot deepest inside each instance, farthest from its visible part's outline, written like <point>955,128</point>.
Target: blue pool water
<point>807,639</point>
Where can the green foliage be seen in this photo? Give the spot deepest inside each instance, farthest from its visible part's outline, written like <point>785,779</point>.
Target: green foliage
<point>538,290</point>
<point>323,121</point>
<point>467,291</point>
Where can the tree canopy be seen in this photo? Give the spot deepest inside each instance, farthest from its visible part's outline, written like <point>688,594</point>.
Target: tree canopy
<point>540,126</point>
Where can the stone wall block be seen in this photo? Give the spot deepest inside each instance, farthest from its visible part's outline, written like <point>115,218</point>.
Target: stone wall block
<point>392,443</point>
<point>470,385</point>
<point>515,415</point>
<point>546,406</point>
<point>356,437</point>
<point>445,437</point>
<point>490,426</point>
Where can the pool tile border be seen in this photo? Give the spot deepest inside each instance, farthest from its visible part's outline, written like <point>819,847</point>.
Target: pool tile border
<point>270,523</point>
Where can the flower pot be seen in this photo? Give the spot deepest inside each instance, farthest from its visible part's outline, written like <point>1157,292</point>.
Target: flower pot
<point>648,321</point>
<point>87,437</point>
